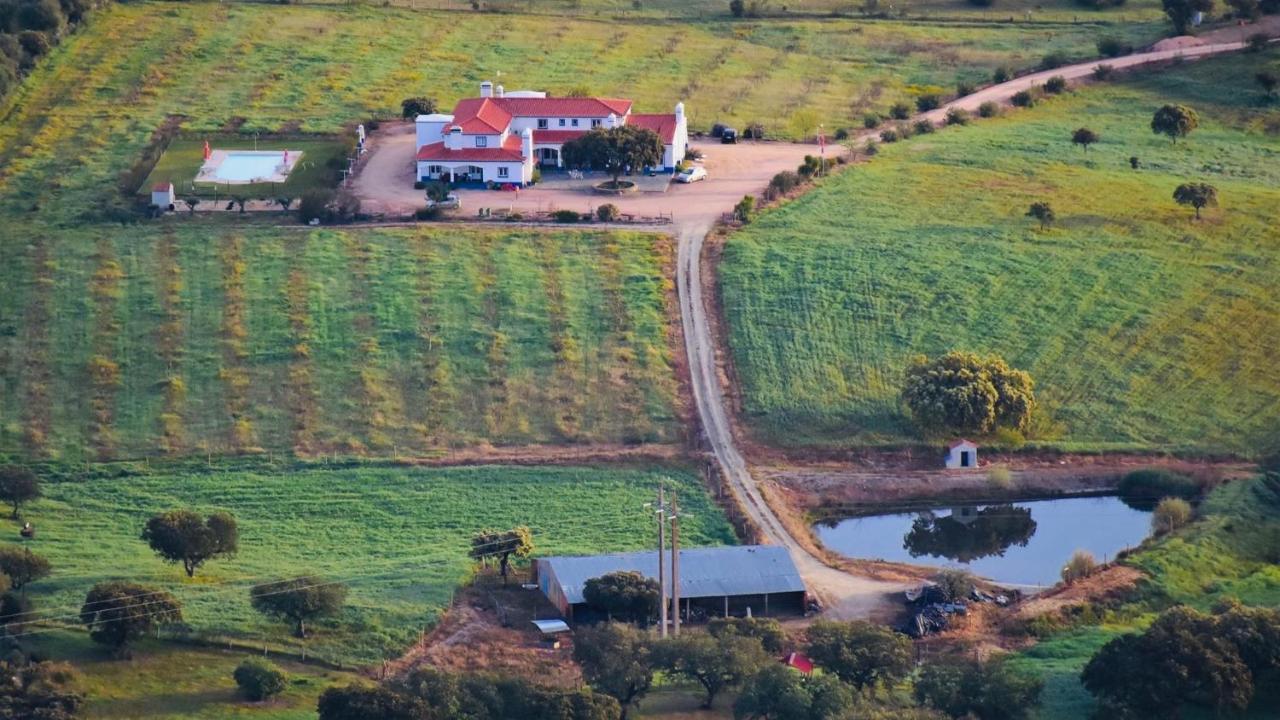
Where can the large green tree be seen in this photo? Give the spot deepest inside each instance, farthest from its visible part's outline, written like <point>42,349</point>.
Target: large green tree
<point>614,150</point>
<point>777,692</point>
<point>623,595</point>
<point>1181,12</point>
<point>992,690</point>
<point>615,661</point>
<point>299,600</point>
<point>1175,121</point>
<point>863,654</point>
<point>1197,195</point>
<point>182,536</point>
<point>22,566</point>
<point>117,613</point>
<point>715,663</point>
<point>359,702</point>
<point>502,544</point>
<point>964,393</point>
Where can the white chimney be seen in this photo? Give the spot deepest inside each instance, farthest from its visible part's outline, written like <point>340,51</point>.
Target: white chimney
<point>486,89</point>
<point>453,141</point>
<point>499,91</point>
<point>611,121</point>
<point>679,113</point>
<point>526,143</point>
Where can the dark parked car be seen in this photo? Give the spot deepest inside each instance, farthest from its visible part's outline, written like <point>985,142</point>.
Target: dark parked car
<point>729,136</point>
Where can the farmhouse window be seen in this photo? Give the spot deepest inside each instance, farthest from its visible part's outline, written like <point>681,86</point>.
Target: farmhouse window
<point>482,141</point>
<point>502,172</point>
<point>595,122</point>
<point>475,170</point>
<point>575,122</point>
<point>435,169</point>
<point>561,122</point>
<point>542,123</point>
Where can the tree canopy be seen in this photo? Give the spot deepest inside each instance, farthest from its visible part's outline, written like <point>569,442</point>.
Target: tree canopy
<point>18,485</point>
<point>615,661</point>
<point>1181,12</point>
<point>860,653</point>
<point>715,663</point>
<point>965,393</point>
<point>502,544</point>
<point>1042,212</point>
<point>1085,137</point>
<point>1197,195</point>
<point>299,600</point>
<point>993,690</point>
<point>614,149</point>
<point>118,612</point>
<point>413,107</point>
<point>767,630</point>
<point>1175,120</point>
<point>777,692</point>
<point>182,536</point>
<point>623,595</point>
<point>22,566</point>
<point>1187,658</point>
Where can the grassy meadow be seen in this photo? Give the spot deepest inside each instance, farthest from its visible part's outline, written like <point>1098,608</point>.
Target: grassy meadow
<point>398,537</point>
<point>1142,328</point>
<point>184,338</point>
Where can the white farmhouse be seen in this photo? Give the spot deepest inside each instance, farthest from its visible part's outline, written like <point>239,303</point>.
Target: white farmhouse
<point>163,196</point>
<point>500,137</point>
<point>962,454</point>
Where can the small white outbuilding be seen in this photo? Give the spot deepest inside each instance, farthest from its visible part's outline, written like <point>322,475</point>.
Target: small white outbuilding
<point>962,454</point>
<point>163,196</point>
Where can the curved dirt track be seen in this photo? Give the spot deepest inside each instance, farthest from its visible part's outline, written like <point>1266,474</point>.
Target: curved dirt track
<point>845,595</point>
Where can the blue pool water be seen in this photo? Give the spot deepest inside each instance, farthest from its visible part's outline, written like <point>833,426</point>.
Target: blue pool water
<point>242,166</point>
<point>1017,543</point>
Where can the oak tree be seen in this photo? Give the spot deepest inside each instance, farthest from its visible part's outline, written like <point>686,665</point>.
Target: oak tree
<point>182,536</point>
<point>1175,121</point>
<point>18,485</point>
<point>117,613</point>
<point>299,600</point>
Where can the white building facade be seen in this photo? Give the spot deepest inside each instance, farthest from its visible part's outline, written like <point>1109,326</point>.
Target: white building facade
<point>501,137</point>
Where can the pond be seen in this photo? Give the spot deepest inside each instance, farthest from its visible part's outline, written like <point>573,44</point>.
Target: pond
<point>1019,543</point>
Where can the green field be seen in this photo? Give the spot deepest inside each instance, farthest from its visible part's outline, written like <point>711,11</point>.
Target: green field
<point>184,156</point>
<point>404,341</point>
<point>1141,327</point>
<point>166,681</point>
<point>397,536</point>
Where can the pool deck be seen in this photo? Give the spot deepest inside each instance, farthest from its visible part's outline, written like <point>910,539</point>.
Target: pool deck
<point>209,170</point>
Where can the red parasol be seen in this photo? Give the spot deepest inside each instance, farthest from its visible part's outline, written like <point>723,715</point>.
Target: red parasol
<point>207,151</point>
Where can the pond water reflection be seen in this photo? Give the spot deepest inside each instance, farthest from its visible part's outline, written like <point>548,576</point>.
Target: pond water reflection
<point>1016,543</point>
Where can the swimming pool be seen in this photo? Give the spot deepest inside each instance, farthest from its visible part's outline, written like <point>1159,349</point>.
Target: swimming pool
<point>247,166</point>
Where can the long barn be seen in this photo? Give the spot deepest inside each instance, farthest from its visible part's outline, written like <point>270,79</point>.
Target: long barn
<point>714,581</point>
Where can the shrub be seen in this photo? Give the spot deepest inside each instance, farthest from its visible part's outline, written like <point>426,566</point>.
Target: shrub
<point>1001,74</point>
<point>957,116</point>
<point>745,210</point>
<point>1113,47</point>
<point>889,135</point>
<point>964,88</point>
<point>566,216</point>
<point>1043,213</point>
<point>955,585</point>
<point>1170,514</point>
<point>314,205</point>
<point>259,679</point>
<point>1134,162</point>
<point>1141,489</point>
<point>842,134</point>
<point>900,111</point>
<point>1000,477</point>
<point>415,106</point>
<point>1023,98</point>
<point>1081,565</point>
<point>923,127</point>
<point>608,212</point>
<point>1055,84</point>
<point>785,181</point>
<point>871,121</point>
<point>872,148</point>
<point>1054,60</point>
<point>1103,72</point>
<point>928,102</point>
<point>737,7</point>
<point>988,109</point>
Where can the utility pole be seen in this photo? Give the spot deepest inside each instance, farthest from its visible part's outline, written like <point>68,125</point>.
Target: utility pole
<point>675,562</point>
<point>662,548</point>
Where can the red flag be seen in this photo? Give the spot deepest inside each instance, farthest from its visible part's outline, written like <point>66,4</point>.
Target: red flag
<point>207,151</point>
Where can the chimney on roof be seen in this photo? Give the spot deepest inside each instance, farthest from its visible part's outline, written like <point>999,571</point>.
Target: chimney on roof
<point>526,143</point>
<point>611,121</point>
<point>486,89</point>
<point>453,141</point>
<point>499,91</point>
<point>679,113</point>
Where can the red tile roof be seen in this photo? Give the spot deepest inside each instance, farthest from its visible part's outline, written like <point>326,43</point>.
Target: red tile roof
<point>162,187</point>
<point>960,442</point>
<point>493,115</point>
<point>556,136</point>
<point>481,116</point>
<point>663,125</point>
<point>509,152</point>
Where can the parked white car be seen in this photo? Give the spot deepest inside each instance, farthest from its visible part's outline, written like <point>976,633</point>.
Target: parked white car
<point>692,174</point>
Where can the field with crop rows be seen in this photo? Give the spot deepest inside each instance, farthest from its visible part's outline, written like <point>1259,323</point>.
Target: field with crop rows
<point>194,339</point>
<point>397,536</point>
<point>1142,327</point>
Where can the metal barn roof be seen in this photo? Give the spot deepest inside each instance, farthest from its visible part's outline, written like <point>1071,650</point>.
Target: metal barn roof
<point>704,572</point>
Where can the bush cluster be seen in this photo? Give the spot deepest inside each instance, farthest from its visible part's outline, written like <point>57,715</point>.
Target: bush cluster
<point>30,28</point>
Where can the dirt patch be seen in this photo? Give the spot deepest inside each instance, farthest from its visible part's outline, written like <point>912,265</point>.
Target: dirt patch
<point>1112,581</point>
<point>1178,43</point>
<point>489,629</point>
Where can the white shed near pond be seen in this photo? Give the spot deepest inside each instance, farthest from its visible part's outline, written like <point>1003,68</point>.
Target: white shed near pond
<point>962,454</point>
<point>163,196</point>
